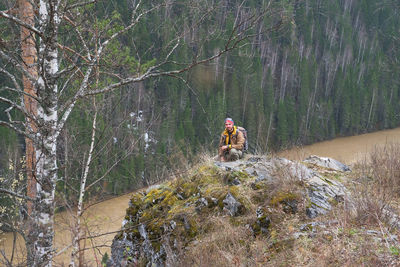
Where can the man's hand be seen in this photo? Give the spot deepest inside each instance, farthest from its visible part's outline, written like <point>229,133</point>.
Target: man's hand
<point>224,147</point>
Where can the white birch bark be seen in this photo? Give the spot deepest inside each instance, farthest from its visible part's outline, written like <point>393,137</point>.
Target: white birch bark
<point>46,169</point>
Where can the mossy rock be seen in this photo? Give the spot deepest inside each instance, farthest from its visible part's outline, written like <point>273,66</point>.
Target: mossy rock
<point>136,204</point>
<point>287,200</point>
<point>282,197</point>
<point>207,175</point>
<point>231,178</point>
<point>158,195</point>
<point>178,210</point>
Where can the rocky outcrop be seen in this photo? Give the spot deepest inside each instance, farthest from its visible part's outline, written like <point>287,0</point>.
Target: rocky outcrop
<point>327,163</point>
<point>166,218</point>
<point>322,191</point>
<point>231,205</point>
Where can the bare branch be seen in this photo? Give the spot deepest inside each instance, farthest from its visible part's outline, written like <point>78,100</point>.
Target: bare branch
<point>21,23</point>
<point>82,190</point>
<point>18,66</point>
<point>172,50</point>
<point>13,105</point>
<point>61,251</point>
<point>88,56</point>
<point>12,77</point>
<point>110,169</point>
<point>6,261</point>
<point>17,130</point>
<point>134,21</point>
<point>192,90</point>
<point>70,105</point>
<point>66,83</point>
<point>19,92</point>
<point>234,40</point>
<point>8,192</point>
<point>80,4</point>
<point>66,48</point>
<point>18,107</point>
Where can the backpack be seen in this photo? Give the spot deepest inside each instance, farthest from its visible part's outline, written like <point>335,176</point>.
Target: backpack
<point>246,143</point>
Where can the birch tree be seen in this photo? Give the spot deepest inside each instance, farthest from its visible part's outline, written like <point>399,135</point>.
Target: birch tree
<point>72,46</point>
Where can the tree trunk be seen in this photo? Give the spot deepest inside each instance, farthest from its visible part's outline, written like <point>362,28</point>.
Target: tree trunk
<point>42,219</point>
<point>78,227</point>
<point>29,58</point>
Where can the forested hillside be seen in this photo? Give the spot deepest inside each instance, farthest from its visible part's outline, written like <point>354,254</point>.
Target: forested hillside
<point>325,69</point>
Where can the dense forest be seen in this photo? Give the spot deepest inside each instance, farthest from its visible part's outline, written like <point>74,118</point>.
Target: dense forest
<point>326,69</point>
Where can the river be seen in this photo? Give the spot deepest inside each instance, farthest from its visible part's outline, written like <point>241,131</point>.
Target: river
<point>345,149</point>
<point>106,217</point>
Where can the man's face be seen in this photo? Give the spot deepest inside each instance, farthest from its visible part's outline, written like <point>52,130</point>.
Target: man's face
<point>229,126</point>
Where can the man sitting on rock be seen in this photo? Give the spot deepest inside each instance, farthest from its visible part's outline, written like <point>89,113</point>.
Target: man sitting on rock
<point>231,142</point>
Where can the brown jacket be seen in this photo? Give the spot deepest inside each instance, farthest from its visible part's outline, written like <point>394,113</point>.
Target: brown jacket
<point>237,140</point>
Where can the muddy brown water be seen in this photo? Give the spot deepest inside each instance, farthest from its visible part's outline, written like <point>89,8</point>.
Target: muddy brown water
<point>107,216</point>
<point>102,220</point>
<point>345,149</point>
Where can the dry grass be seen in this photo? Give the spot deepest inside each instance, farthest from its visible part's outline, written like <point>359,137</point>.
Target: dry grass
<point>224,245</point>
<point>377,186</point>
<point>355,233</point>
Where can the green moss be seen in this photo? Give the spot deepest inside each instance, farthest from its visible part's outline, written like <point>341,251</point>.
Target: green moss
<point>187,189</point>
<point>155,228</point>
<point>146,215</point>
<point>135,233</point>
<point>136,199</point>
<point>207,175</point>
<point>333,201</point>
<point>328,181</point>
<point>316,205</point>
<point>192,231</point>
<point>175,201</point>
<point>256,228</point>
<point>262,185</point>
<point>177,211</point>
<point>119,236</point>
<point>153,197</point>
<point>229,177</point>
<point>156,245</point>
<point>135,206</point>
<point>282,197</point>
<point>234,190</point>
<point>169,198</point>
<point>131,212</point>
<point>163,197</point>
